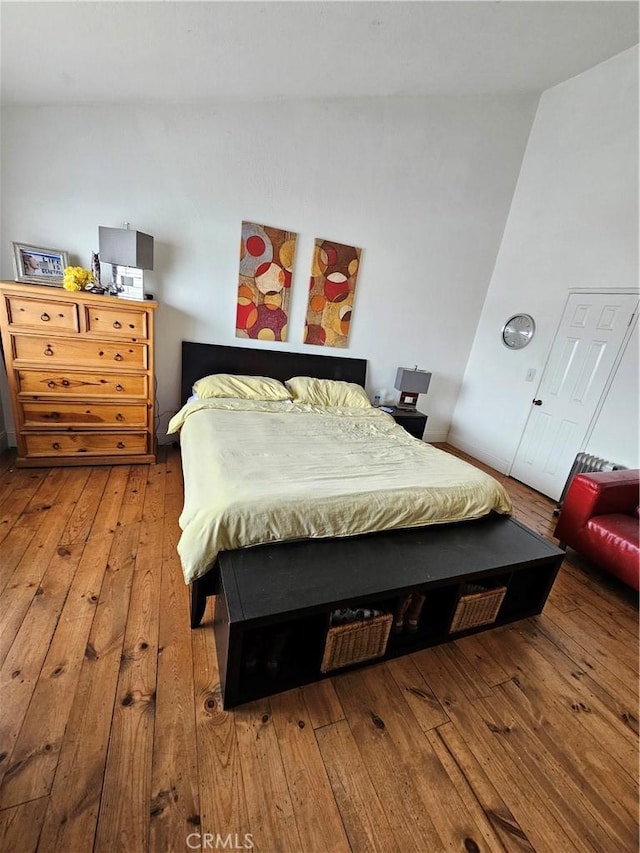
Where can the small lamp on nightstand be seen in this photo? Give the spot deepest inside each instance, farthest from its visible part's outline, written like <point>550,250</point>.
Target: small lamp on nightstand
<point>411,383</point>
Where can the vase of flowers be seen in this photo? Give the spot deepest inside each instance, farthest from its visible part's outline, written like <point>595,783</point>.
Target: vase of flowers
<point>76,278</point>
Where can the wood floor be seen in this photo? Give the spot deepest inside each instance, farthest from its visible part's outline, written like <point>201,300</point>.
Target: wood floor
<point>112,737</point>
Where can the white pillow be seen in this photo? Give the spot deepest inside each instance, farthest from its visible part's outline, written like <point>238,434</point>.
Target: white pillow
<point>240,387</point>
<point>327,392</point>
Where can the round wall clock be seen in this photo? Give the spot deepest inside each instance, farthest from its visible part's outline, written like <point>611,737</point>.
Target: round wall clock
<point>518,331</point>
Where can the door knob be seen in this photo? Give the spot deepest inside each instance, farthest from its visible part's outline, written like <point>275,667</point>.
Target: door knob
<point>537,402</point>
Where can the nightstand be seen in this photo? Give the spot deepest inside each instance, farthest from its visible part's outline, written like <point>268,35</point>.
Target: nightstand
<point>413,421</point>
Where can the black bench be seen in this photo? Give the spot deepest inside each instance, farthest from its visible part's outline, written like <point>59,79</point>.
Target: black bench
<point>291,588</point>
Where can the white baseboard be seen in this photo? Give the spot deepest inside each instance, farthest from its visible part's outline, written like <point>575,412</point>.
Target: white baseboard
<point>501,465</point>
<point>433,436</point>
<point>11,438</point>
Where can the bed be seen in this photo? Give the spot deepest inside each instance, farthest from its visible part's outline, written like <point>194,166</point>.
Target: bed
<point>271,471</point>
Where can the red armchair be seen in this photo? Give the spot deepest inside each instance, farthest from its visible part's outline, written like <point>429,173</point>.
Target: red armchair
<point>599,518</point>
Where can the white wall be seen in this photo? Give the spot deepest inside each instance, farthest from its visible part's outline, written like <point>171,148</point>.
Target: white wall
<point>423,185</point>
<point>573,223</point>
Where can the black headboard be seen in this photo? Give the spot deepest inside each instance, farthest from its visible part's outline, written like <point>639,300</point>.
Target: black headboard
<point>200,360</point>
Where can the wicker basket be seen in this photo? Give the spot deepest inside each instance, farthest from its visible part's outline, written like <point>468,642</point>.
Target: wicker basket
<point>356,641</point>
<point>477,606</point>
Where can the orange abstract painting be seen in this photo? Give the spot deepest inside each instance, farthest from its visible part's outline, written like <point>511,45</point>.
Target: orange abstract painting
<point>331,293</point>
<point>264,287</point>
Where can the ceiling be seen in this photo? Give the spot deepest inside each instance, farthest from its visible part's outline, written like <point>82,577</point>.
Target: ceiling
<point>132,52</point>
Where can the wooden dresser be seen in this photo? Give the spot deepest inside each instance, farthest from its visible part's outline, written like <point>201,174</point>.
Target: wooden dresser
<point>80,373</point>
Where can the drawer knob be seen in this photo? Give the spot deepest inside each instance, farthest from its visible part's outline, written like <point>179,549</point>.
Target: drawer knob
<point>56,445</point>
<point>121,444</point>
<point>45,317</point>
<point>117,357</point>
<point>66,383</point>
<point>117,324</point>
<point>48,350</point>
<point>54,416</point>
<point>119,387</point>
<point>51,383</point>
<point>119,416</point>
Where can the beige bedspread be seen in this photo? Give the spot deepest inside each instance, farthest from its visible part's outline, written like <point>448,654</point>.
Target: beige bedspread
<point>260,472</point>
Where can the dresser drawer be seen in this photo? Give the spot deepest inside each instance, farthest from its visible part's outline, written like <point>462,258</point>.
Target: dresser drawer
<point>50,382</point>
<point>116,321</point>
<point>85,443</point>
<point>81,352</point>
<point>58,414</point>
<point>42,314</point>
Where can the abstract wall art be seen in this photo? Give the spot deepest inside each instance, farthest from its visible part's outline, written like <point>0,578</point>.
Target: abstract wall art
<point>331,293</point>
<point>264,286</point>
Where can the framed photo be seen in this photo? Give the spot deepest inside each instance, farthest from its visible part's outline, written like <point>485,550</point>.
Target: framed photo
<point>39,266</point>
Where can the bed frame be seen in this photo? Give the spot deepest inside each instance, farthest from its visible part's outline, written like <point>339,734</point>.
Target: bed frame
<point>200,360</point>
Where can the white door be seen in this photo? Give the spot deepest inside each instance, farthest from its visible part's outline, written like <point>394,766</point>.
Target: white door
<point>583,354</point>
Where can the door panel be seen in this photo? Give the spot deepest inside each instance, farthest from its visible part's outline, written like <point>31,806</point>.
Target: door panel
<point>582,357</point>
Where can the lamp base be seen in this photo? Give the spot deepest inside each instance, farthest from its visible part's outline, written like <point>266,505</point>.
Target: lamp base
<point>408,401</point>
<point>128,282</point>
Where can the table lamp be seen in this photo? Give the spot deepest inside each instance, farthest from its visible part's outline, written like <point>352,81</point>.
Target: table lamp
<point>411,383</point>
<point>129,252</point>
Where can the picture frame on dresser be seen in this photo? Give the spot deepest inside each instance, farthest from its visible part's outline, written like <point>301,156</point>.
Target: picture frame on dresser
<point>36,265</point>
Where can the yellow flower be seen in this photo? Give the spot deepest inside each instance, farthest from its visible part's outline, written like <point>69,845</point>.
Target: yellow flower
<point>76,278</point>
